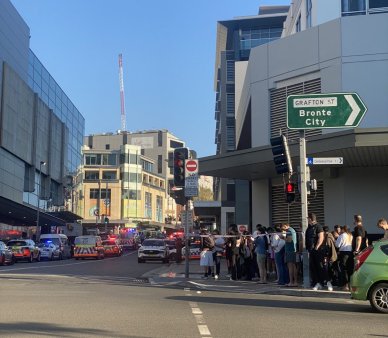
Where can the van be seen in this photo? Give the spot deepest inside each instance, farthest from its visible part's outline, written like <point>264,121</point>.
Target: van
<point>61,241</point>
<point>88,246</point>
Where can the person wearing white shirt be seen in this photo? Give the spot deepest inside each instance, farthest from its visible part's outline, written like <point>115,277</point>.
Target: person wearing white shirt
<point>345,257</point>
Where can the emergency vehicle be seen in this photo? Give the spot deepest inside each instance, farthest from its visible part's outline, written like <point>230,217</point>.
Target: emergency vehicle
<point>88,247</point>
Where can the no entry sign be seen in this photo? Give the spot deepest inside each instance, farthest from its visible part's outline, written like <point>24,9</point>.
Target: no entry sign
<point>191,178</point>
<point>192,166</point>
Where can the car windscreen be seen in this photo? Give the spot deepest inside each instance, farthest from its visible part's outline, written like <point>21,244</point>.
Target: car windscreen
<point>55,241</point>
<point>150,242</point>
<point>85,241</point>
<point>44,245</point>
<point>17,243</point>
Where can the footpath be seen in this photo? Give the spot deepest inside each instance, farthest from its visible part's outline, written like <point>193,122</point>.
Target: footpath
<point>174,275</point>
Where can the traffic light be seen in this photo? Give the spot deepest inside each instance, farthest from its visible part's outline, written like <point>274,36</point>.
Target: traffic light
<point>290,192</point>
<point>106,220</point>
<point>281,155</point>
<point>179,196</point>
<point>180,155</point>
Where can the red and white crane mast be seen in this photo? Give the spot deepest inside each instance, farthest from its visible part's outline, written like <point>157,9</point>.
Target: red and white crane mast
<point>122,98</point>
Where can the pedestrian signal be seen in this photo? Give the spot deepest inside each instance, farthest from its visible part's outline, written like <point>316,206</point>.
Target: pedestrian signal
<point>290,192</point>
<point>180,155</point>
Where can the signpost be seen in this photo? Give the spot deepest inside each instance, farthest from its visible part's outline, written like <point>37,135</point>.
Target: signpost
<point>324,160</point>
<point>320,111</point>
<point>191,178</point>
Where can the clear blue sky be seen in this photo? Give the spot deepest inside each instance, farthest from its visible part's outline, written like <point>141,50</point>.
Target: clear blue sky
<point>168,52</point>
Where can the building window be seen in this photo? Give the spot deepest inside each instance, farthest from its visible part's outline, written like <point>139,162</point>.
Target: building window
<point>230,104</point>
<point>160,138</point>
<point>160,164</point>
<point>109,175</point>
<point>176,144</point>
<point>131,194</point>
<point>148,166</point>
<point>95,194</point>
<point>132,178</point>
<point>298,25</point>
<point>159,209</point>
<point>107,146</point>
<point>133,159</point>
<point>92,175</point>
<point>148,205</point>
<point>353,7</point>
<point>309,7</point>
<point>230,71</point>
<point>92,159</point>
<point>378,6</point>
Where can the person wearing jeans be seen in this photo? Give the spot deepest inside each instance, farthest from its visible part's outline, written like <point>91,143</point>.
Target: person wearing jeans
<point>277,243</point>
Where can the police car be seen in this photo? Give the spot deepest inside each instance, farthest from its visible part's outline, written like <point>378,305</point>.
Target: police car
<point>153,249</point>
<point>24,249</point>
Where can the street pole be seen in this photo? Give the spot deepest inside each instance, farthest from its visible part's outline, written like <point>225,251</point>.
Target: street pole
<point>37,234</point>
<point>303,202</point>
<point>187,245</point>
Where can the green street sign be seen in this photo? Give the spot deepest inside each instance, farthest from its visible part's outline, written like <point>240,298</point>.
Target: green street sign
<point>320,111</point>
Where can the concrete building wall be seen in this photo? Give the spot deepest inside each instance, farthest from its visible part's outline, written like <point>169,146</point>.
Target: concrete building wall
<point>11,176</point>
<point>261,203</point>
<point>356,191</point>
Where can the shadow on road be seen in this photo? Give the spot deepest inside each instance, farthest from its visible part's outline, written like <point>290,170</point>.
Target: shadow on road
<point>276,303</point>
<point>33,329</point>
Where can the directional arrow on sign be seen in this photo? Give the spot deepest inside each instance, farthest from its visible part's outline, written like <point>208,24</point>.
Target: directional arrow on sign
<point>320,111</point>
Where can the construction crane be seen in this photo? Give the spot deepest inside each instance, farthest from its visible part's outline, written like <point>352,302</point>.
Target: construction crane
<point>122,99</point>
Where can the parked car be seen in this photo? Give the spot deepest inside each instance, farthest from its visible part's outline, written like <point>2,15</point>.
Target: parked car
<point>49,251</point>
<point>60,240</point>
<point>112,247</point>
<point>370,278</point>
<point>24,249</point>
<point>88,247</point>
<point>153,249</point>
<point>6,255</point>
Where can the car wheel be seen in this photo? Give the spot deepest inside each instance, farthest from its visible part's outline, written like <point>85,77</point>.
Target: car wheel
<point>38,258</point>
<point>2,260</point>
<point>60,257</point>
<point>379,297</point>
<point>13,260</point>
<point>166,260</point>
<point>76,258</point>
<point>31,258</point>
<point>52,257</point>
<point>139,260</point>
<point>173,257</point>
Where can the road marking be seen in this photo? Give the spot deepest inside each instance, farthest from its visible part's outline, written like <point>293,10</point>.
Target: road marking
<point>196,311</point>
<point>199,318</point>
<point>204,330</point>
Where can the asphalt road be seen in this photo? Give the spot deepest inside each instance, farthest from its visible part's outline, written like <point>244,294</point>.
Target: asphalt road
<point>108,298</point>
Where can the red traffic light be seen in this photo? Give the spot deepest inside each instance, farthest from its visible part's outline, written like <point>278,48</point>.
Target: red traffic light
<point>290,188</point>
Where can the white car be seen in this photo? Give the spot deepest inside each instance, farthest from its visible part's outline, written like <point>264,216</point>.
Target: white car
<point>195,251</point>
<point>153,249</point>
<point>49,251</point>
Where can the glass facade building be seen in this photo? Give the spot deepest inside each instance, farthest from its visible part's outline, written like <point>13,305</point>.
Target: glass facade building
<point>42,83</point>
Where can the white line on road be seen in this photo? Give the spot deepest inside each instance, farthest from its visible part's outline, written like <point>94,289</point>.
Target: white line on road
<point>196,311</point>
<point>203,330</point>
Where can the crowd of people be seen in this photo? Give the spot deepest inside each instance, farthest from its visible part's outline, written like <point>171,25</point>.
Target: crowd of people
<point>274,254</point>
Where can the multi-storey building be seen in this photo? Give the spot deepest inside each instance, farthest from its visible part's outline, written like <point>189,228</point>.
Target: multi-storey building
<point>118,188</point>
<point>41,132</point>
<point>326,48</point>
<point>235,39</point>
<point>156,145</point>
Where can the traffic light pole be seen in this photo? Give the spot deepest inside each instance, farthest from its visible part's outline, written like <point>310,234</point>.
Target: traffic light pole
<point>187,246</point>
<point>303,202</point>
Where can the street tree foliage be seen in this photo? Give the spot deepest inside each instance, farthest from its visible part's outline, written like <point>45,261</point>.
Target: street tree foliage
<point>204,194</point>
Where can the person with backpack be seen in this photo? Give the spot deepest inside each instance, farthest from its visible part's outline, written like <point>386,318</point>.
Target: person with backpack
<point>329,253</point>
<point>261,248</point>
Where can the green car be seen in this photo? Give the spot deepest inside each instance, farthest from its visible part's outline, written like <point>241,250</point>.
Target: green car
<point>370,278</point>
